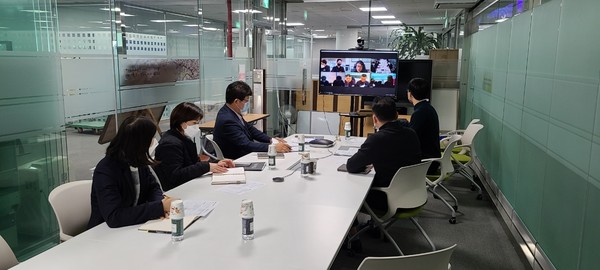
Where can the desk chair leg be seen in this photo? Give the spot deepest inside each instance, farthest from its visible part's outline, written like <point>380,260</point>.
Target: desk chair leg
<point>453,218</point>
<point>468,176</point>
<point>382,227</point>
<point>414,221</point>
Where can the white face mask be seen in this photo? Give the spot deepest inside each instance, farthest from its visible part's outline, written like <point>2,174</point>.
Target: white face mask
<point>192,130</point>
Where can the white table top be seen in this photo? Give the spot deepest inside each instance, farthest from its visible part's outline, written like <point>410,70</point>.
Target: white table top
<point>299,224</point>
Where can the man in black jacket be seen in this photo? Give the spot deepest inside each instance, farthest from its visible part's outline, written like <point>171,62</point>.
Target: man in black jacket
<point>424,120</point>
<point>391,147</point>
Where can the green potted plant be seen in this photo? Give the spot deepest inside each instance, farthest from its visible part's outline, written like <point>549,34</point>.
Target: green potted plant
<point>410,42</point>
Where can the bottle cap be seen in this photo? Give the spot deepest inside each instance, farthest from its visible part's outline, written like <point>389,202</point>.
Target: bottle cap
<point>347,126</point>
<point>247,209</point>
<point>177,209</point>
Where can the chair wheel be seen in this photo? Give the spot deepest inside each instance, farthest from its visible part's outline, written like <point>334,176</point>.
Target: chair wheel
<point>455,207</point>
<point>473,188</point>
<point>480,197</point>
<point>452,220</point>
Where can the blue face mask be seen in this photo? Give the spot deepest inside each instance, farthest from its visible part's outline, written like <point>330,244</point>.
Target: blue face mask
<point>246,108</point>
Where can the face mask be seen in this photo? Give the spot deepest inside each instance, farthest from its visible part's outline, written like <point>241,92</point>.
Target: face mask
<point>192,130</point>
<point>246,107</point>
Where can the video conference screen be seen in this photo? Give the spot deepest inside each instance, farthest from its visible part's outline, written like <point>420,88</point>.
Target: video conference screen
<point>358,73</point>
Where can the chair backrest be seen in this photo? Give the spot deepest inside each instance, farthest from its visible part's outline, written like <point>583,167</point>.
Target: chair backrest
<point>435,260</point>
<point>408,188</point>
<point>218,152</point>
<point>7,257</point>
<point>446,167</point>
<point>71,203</point>
<point>153,146</point>
<point>470,132</point>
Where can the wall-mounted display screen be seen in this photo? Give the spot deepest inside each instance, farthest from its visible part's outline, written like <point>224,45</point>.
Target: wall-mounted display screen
<point>358,73</point>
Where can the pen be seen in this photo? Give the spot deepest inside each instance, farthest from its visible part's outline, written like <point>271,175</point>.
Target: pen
<point>158,232</point>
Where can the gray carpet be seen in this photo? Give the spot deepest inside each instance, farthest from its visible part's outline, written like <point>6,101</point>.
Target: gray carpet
<point>483,240</point>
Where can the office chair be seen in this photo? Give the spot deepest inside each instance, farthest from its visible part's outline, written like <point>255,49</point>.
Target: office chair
<point>7,257</point>
<point>71,203</point>
<point>457,132</point>
<point>406,197</point>
<point>218,154</point>
<point>446,170</point>
<point>435,260</point>
<point>466,157</point>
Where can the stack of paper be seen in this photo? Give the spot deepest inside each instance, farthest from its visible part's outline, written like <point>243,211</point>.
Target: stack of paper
<point>232,176</point>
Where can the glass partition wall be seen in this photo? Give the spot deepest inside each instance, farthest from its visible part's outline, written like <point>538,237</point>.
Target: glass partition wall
<point>67,68</point>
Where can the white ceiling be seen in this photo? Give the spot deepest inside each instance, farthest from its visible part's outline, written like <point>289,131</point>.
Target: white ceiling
<point>328,15</point>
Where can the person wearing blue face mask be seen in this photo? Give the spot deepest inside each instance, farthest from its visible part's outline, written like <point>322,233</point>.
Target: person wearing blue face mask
<point>233,134</point>
<point>176,150</point>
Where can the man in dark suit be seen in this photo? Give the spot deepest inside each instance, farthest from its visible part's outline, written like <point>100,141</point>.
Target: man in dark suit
<point>233,134</point>
<point>391,147</point>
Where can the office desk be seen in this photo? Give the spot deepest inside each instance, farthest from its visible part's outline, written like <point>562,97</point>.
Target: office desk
<point>299,224</point>
<point>251,117</point>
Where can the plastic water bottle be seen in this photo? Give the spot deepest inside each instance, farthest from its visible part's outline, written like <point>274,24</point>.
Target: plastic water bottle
<point>272,153</point>
<point>247,213</point>
<point>301,142</point>
<point>347,130</point>
<point>305,165</point>
<point>176,214</point>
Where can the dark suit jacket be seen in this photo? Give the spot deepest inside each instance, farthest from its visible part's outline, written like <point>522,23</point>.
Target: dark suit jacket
<point>424,121</point>
<point>113,194</point>
<point>392,147</point>
<point>178,160</point>
<point>236,137</point>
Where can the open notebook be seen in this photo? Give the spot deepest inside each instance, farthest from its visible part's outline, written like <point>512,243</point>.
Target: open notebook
<point>232,176</point>
<point>164,225</point>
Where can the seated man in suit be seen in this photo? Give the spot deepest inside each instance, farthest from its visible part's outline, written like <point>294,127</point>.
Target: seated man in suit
<point>233,134</point>
<point>391,147</point>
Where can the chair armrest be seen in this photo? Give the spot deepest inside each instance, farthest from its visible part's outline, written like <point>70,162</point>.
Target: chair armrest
<point>430,159</point>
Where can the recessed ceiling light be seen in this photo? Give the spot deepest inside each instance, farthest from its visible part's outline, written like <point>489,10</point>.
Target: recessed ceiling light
<point>199,12</point>
<point>210,28</point>
<point>246,11</point>
<point>126,15</point>
<point>392,22</point>
<point>501,20</point>
<point>191,25</point>
<point>167,21</point>
<point>384,17</point>
<point>141,24</point>
<point>374,9</point>
<point>319,30</point>
<point>294,24</point>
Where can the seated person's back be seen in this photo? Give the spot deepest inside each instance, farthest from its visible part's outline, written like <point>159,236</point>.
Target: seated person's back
<point>393,146</point>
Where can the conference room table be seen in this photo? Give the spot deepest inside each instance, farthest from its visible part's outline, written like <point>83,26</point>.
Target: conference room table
<point>299,223</point>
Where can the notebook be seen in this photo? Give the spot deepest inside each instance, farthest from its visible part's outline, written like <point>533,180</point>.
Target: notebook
<point>251,166</point>
<point>164,225</point>
<point>232,176</point>
<point>342,168</point>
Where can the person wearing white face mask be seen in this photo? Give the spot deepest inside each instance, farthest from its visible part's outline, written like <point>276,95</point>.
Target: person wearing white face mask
<point>233,134</point>
<point>176,150</point>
